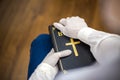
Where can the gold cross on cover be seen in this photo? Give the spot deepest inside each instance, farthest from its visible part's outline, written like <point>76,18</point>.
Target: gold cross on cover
<point>73,45</point>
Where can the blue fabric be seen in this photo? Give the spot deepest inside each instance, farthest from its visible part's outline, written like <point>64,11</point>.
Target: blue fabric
<point>40,47</point>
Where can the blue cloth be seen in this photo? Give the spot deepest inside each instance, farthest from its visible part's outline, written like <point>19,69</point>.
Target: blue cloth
<point>40,47</point>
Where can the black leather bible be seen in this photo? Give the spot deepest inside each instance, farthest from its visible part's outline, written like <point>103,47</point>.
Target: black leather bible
<point>81,55</point>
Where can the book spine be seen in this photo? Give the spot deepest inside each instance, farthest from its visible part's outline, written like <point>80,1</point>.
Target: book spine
<point>51,31</point>
<point>54,42</point>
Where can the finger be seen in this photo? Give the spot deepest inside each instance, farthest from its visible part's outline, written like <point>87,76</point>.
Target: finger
<point>58,55</point>
<point>59,26</point>
<point>80,18</point>
<point>77,18</point>
<point>63,21</point>
<point>68,18</point>
<point>64,53</point>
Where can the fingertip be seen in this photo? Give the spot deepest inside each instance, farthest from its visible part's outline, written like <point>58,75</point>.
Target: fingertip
<point>68,18</point>
<point>63,21</point>
<point>69,51</point>
<point>65,53</point>
<point>58,26</point>
<point>55,23</point>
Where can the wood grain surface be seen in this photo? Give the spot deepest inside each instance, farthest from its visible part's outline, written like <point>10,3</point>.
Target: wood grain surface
<point>23,20</point>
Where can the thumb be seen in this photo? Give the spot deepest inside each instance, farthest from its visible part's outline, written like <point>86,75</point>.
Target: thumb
<point>56,56</point>
<point>63,53</point>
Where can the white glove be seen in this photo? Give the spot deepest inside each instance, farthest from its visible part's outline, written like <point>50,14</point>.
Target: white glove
<point>52,57</point>
<point>71,26</point>
<point>108,57</point>
<point>105,48</point>
<point>48,68</point>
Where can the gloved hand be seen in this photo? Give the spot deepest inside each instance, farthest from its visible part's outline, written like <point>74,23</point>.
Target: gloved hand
<point>105,47</point>
<point>52,57</point>
<point>71,26</point>
<point>47,70</point>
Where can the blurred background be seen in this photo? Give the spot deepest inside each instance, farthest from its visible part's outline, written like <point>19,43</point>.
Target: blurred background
<point>21,21</point>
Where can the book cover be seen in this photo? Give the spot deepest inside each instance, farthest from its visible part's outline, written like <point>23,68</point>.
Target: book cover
<point>81,55</point>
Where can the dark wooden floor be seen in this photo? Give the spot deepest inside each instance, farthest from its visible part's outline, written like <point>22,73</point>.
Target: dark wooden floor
<point>22,20</point>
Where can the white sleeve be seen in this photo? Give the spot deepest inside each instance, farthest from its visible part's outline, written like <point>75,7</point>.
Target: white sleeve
<point>102,44</point>
<point>43,72</point>
<point>106,49</point>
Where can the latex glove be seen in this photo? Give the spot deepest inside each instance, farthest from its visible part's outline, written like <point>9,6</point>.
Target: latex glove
<point>48,68</point>
<point>52,57</point>
<point>105,47</point>
<point>71,26</point>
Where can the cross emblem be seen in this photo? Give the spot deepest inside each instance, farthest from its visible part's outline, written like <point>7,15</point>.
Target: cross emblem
<point>73,45</point>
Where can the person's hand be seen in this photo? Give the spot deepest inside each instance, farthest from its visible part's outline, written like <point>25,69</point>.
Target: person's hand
<point>52,58</point>
<point>47,70</point>
<point>70,26</point>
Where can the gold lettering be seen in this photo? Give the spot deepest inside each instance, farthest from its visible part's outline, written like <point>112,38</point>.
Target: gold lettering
<point>60,34</point>
<point>53,28</point>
